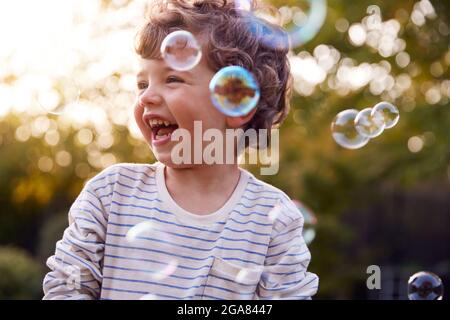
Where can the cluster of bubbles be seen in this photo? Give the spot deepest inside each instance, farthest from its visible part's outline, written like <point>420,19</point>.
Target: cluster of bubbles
<point>352,129</point>
<point>425,285</point>
<point>234,90</point>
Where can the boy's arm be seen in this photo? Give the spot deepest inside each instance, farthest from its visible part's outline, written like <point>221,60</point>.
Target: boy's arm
<point>285,273</point>
<point>76,267</point>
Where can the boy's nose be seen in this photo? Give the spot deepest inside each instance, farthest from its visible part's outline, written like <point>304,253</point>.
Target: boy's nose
<point>150,98</point>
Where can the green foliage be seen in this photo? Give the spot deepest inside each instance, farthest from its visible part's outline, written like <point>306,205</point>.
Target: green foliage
<point>21,275</point>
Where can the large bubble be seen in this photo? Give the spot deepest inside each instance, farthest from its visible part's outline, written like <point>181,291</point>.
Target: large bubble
<point>344,131</point>
<point>303,25</point>
<point>234,91</point>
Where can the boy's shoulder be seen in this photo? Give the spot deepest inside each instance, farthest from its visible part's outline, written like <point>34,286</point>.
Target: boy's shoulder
<point>127,171</point>
<point>265,192</point>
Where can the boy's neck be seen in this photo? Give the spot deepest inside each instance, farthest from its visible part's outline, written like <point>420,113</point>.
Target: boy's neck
<point>202,189</point>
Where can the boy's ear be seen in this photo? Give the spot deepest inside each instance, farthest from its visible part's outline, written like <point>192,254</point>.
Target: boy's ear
<point>237,122</point>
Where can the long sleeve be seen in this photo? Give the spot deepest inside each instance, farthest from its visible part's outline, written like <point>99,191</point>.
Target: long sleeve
<point>76,266</point>
<point>285,273</point>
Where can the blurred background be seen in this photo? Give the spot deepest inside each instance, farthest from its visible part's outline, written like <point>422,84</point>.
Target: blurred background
<point>67,81</point>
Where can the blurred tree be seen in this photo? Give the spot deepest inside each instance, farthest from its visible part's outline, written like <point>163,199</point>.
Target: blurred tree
<point>358,195</point>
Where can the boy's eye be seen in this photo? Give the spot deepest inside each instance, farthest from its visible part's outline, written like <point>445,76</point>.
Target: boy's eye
<point>171,79</point>
<point>142,85</point>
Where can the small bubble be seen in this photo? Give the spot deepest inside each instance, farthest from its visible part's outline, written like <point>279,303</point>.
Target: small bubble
<point>310,222</point>
<point>425,285</point>
<point>181,50</point>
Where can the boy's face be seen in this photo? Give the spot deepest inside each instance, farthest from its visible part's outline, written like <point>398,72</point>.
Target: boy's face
<point>179,97</point>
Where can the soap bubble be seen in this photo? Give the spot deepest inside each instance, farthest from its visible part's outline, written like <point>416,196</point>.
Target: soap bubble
<point>181,50</point>
<point>344,131</point>
<point>299,31</point>
<point>234,91</point>
<point>143,234</point>
<point>315,19</point>
<point>368,124</point>
<point>310,222</point>
<point>388,112</point>
<point>425,285</point>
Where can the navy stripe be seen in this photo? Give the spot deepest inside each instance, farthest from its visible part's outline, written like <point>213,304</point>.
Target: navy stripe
<point>251,213</point>
<point>179,287</point>
<point>247,230</point>
<point>140,207</point>
<point>162,221</point>
<point>192,237</point>
<point>144,293</point>
<point>79,246</point>
<point>82,262</point>
<point>287,255</point>
<point>253,199</point>
<point>141,172</point>
<point>287,241</point>
<point>195,238</point>
<point>156,261</point>
<point>258,204</point>
<point>121,175</point>
<point>188,247</point>
<point>250,221</point>
<point>295,282</point>
<point>126,186</point>
<point>173,275</point>
<point>91,213</point>
<point>153,272</point>
<point>130,196</point>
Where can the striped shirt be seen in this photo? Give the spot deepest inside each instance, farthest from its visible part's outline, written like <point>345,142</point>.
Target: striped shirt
<point>128,239</point>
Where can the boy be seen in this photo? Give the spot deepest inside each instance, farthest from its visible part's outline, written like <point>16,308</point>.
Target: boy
<point>214,231</point>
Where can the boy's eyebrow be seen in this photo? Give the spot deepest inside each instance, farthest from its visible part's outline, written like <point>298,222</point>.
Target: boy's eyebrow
<point>165,69</point>
<point>140,74</point>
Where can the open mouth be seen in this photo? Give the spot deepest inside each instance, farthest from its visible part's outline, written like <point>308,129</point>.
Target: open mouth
<point>161,129</point>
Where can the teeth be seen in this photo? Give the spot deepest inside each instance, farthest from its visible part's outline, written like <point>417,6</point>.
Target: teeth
<point>156,122</point>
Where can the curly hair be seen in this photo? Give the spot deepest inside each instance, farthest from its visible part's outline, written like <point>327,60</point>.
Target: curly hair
<point>233,37</point>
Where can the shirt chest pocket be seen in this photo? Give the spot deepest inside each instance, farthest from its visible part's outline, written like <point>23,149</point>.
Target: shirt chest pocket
<point>229,281</point>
